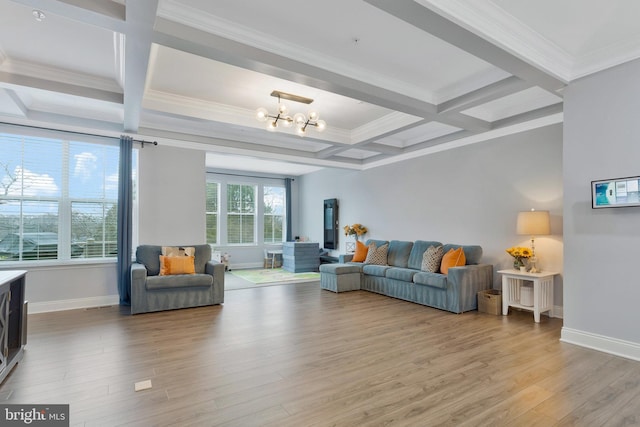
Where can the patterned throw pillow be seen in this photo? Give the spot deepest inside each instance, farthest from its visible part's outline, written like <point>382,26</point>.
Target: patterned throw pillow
<point>432,258</point>
<point>178,251</point>
<point>377,256</point>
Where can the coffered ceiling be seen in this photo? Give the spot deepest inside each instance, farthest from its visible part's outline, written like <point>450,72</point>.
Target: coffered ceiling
<point>393,79</point>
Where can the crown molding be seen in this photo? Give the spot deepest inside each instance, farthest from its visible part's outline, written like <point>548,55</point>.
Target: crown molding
<point>172,10</point>
<point>492,23</point>
<point>607,57</point>
<point>118,58</point>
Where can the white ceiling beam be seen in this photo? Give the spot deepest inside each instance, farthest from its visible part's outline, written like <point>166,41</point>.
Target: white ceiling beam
<point>497,90</point>
<point>54,86</point>
<point>140,18</point>
<point>429,21</point>
<point>187,39</point>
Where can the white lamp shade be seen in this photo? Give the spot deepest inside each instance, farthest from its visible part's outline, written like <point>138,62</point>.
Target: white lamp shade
<point>533,223</point>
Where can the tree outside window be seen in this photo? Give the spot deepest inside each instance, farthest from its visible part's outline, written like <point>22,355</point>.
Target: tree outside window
<point>274,208</point>
<point>241,214</point>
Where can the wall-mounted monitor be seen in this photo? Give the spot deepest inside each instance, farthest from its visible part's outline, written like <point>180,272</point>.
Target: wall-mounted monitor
<point>615,193</point>
<point>331,224</point>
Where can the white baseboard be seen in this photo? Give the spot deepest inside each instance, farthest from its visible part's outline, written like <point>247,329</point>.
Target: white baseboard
<point>627,349</point>
<point>72,304</point>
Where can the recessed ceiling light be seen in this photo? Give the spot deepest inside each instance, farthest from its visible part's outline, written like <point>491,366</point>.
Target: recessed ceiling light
<point>39,15</point>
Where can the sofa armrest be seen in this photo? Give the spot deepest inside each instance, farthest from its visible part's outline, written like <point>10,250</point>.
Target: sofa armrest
<point>138,282</point>
<point>216,269</point>
<point>344,258</point>
<point>463,285</point>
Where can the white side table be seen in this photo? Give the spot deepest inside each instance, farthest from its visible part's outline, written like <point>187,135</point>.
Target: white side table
<point>512,282</point>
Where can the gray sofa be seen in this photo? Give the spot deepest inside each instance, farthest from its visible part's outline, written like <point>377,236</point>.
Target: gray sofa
<point>402,278</point>
<point>152,292</point>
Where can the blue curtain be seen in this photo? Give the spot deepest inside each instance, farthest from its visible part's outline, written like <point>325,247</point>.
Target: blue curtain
<point>125,201</point>
<point>287,191</point>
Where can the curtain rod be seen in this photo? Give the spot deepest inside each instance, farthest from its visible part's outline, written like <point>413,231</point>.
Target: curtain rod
<point>140,141</point>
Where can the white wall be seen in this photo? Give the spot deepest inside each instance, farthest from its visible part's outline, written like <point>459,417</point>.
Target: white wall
<point>172,196</point>
<point>467,195</point>
<point>602,247</point>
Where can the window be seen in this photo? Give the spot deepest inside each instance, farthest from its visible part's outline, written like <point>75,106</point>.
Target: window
<point>213,212</point>
<point>251,212</point>
<point>274,204</point>
<point>58,199</point>
<point>241,214</point>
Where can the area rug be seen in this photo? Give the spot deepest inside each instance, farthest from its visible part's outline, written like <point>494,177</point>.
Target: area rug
<point>274,275</point>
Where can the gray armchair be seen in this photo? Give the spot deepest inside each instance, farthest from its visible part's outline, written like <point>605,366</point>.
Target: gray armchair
<point>152,292</point>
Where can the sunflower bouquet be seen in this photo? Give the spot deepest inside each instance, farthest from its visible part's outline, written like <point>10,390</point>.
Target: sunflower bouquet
<point>356,230</point>
<point>519,254</point>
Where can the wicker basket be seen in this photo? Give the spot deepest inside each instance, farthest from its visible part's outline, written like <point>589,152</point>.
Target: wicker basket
<point>490,301</point>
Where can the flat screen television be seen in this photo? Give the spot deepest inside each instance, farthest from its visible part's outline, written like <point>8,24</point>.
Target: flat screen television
<point>615,193</point>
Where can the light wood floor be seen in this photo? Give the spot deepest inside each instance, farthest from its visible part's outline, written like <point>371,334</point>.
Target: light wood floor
<point>295,355</point>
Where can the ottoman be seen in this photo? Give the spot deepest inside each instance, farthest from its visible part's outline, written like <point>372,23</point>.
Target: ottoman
<point>339,277</point>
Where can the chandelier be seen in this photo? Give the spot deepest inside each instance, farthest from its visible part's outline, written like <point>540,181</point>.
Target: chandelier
<point>281,117</point>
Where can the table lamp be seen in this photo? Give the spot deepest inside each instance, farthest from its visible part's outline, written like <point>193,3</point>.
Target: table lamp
<point>533,223</point>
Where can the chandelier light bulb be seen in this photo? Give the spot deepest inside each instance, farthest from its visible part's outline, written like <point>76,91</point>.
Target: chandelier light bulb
<point>287,121</point>
<point>262,114</point>
<point>272,125</point>
<point>301,131</point>
<point>282,109</point>
<point>313,115</point>
<point>299,119</point>
<point>321,125</point>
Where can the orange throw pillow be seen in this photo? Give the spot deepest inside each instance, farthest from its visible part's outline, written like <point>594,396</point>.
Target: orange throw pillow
<point>453,258</point>
<point>177,265</point>
<point>361,252</point>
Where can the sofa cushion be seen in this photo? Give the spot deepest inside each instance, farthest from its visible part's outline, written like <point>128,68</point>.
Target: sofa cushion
<point>432,258</point>
<point>435,280</point>
<point>149,256</point>
<point>397,273</point>
<point>453,258</point>
<point>375,270</point>
<point>417,251</point>
<point>377,254</point>
<point>179,281</point>
<point>398,255</point>
<point>360,254</point>
<point>473,253</point>
<point>339,268</point>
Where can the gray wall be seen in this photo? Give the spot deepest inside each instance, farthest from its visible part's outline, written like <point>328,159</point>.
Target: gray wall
<point>467,195</point>
<point>602,247</point>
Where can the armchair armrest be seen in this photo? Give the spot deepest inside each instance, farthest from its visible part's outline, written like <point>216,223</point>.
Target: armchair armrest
<point>216,269</point>
<point>344,258</point>
<point>463,285</point>
<point>138,282</point>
